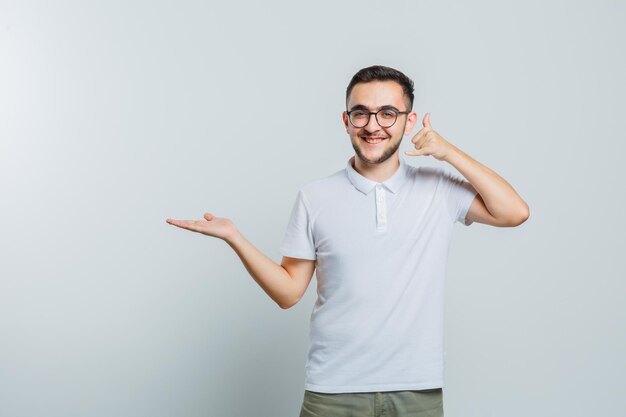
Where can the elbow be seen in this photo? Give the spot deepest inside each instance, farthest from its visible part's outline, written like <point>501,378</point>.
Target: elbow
<point>522,217</point>
<point>286,305</point>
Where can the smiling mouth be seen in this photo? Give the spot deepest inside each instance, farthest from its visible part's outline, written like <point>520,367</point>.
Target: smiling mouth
<point>373,140</point>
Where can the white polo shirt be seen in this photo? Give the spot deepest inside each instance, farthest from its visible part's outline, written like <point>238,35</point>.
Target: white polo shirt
<point>380,252</point>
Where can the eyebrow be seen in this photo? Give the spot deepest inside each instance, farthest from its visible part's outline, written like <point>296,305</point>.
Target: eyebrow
<point>363,107</point>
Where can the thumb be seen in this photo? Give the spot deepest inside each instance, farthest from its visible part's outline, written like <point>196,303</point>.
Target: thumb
<point>426,121</point>
<point>208,216</point>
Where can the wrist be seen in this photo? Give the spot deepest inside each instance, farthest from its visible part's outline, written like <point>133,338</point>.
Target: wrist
<point>452,155</point>
<point>233,237</point>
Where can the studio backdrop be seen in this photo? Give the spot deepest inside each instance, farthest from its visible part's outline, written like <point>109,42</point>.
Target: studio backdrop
<point>115,115</point>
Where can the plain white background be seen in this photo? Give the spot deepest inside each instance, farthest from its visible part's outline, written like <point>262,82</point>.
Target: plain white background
<point>115,115</point>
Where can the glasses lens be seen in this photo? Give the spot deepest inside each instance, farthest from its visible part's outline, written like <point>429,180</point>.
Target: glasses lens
<point>359,118</point>
<point>386,118</point>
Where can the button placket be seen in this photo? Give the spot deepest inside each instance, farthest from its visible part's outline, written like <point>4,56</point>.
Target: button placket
<point>381,208</point>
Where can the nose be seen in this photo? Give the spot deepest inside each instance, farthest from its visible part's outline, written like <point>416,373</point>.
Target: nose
<point>372,124</point>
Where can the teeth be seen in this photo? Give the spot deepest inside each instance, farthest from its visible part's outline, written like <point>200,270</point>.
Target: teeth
<point>373,140</point>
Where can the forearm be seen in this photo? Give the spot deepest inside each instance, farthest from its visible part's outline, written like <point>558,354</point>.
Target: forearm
<point>499,196</point>
<point>271,276</point>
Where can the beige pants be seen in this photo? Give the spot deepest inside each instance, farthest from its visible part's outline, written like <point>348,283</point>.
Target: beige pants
<point>422,403</point>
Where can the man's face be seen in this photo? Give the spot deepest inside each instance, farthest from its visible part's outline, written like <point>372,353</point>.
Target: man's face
<point>373,95</point>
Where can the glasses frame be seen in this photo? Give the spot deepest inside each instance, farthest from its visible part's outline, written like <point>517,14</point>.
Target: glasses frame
<point>375,113</point>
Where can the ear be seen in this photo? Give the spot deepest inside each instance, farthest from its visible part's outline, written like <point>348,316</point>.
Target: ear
<point>344,117</point>
<point>411,119</point>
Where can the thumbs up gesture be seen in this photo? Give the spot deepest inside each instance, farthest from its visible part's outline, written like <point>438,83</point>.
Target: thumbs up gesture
<point>429,142</point>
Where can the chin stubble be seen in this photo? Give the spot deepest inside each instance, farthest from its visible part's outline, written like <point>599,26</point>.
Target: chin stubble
<point>387,152</point>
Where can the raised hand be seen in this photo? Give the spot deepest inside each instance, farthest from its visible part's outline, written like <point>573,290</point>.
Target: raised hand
<point>429,142</point>
<point>219,227</point>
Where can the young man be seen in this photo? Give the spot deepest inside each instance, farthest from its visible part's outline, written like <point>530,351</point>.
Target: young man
<point>378,233</point>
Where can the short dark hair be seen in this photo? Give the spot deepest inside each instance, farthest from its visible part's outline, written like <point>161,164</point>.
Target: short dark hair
<point>382,73</point>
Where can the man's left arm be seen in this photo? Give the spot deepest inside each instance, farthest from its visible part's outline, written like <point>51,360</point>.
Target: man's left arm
<point>496,203</point>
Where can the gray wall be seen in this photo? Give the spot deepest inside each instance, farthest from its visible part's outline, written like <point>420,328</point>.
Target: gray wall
<point>116,115</point>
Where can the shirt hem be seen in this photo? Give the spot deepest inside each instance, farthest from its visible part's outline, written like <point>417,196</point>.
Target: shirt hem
<point>334,389</point>
<point>467,202</point>
<point>297,254</point>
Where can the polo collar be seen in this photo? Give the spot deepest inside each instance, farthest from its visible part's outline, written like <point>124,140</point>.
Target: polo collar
<point>365,185</point>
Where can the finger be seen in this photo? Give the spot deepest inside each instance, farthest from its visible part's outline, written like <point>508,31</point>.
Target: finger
<point>208,216</point>
<point>175,222</point>
<point>419,135</point>
<point>416,152</point>
<point>184,224</point>
<point>426,121</point>
<point>420,143</point>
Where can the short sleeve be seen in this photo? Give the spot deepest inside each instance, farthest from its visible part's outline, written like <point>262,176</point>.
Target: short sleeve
<point>458,195</point>
<point>298,241</point>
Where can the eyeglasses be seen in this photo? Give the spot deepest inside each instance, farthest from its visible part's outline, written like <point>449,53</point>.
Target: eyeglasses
<point>384,117</point>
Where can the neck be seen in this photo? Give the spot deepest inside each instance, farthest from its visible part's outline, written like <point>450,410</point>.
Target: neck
<point>377,172</point>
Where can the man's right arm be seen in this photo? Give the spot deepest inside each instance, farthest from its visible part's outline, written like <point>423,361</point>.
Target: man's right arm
<point>285,283</point>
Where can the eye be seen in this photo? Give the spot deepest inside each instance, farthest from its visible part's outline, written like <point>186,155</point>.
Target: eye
<point>389,114</point>
<point>358,113</point>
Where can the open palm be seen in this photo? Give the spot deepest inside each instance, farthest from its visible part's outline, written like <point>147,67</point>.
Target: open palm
<point>219,227</point>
